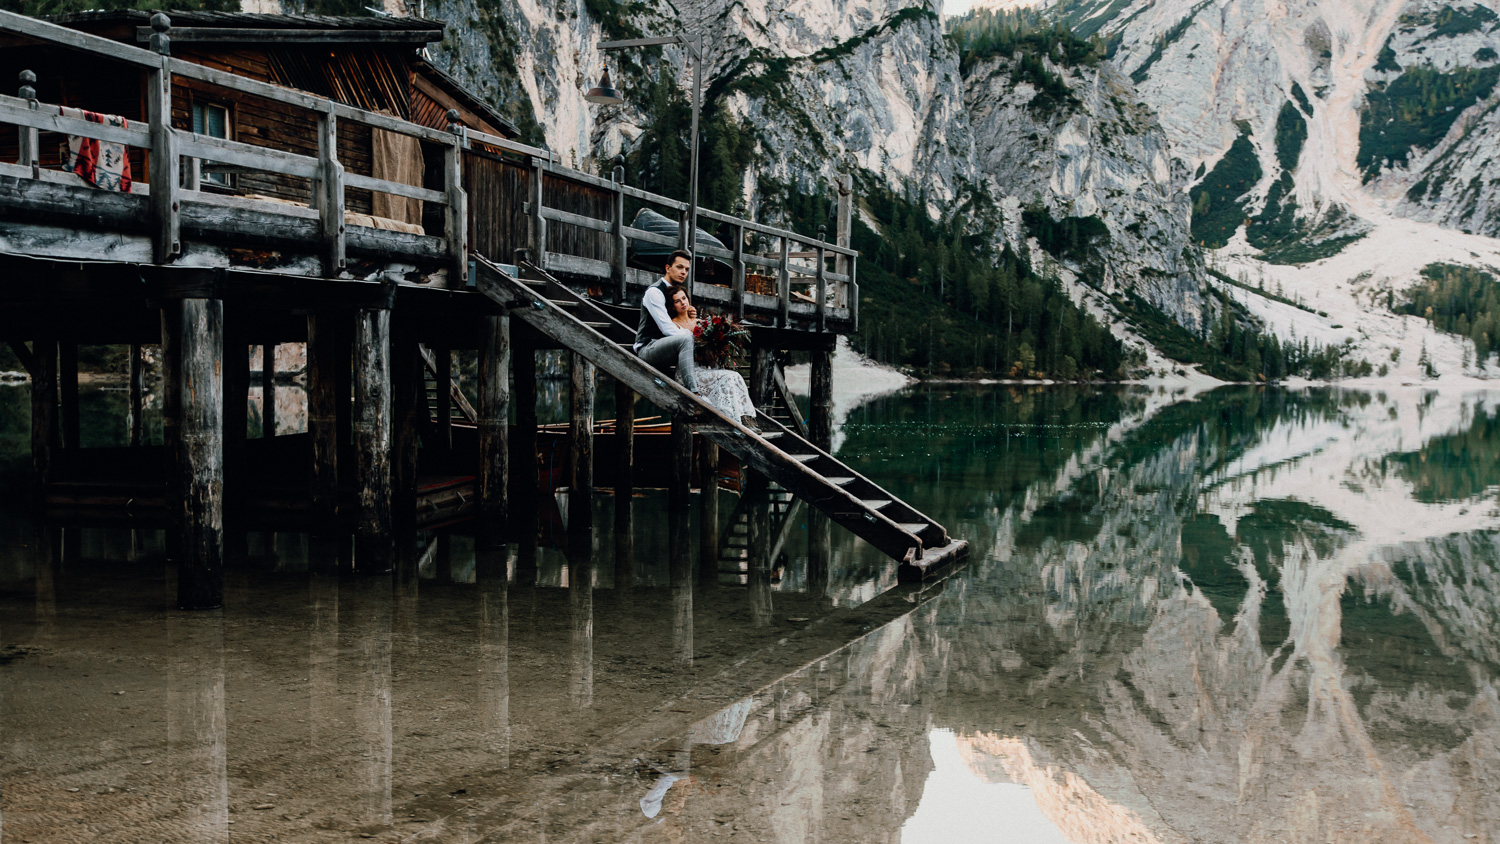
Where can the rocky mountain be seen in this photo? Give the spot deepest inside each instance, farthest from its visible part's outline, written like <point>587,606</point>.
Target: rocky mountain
<point>877,89</point>
<point>1348,110</point>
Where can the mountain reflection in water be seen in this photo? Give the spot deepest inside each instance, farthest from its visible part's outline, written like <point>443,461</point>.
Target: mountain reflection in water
<point>1253,615</point>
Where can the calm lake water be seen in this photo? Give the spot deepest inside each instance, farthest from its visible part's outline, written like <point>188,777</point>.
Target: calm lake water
<point>1253,615</point>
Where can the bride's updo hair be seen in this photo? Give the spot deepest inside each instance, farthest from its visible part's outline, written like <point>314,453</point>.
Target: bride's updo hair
<point>672,292</point>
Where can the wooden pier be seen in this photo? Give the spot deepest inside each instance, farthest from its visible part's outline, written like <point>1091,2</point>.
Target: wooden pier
<point>311,180</point>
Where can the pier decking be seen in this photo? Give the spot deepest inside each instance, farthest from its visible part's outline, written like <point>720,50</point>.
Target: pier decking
<point>382,242</point>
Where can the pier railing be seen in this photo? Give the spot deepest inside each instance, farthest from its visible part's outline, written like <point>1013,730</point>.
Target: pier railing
<point>496,196</point>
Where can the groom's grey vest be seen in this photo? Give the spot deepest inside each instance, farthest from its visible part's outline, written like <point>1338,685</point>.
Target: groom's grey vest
<point>648,330</point>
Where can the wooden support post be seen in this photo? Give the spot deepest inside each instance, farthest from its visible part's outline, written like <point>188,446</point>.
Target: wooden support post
<point>193,428</point>
<point>680,570</point>
<point>843,231</point>
<point>760,540</point>
<point>137,390</point>
<point>456,211</point>
<point>737,292</point>
<point>30,149</point>
<point>762,374</point>
<point>819,553</point>
<point>538,222</point>
<point>442,380</point>
<point>821,289</point>
<point>523,459</point>
<point>820,410</point>
<point>323,398</point>
<point>494,425</point>
<point>330,194</point>
<point>67,377</point>
<point>374,548</point>
<point>681,458</point>
<point>784,285</point>
<point>268,390</point>
<point>408,409</point>
<point>43,411</point>
<point>166,205</point>
<point>236,405</point>
<point>621,249</point>
<point>581,444</point>
<point>708,499</point>
<point>762,379</point>
<point>624,440</point>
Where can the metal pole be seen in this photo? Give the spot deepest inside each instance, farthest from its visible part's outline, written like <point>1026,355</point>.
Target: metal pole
<point>693,44</point>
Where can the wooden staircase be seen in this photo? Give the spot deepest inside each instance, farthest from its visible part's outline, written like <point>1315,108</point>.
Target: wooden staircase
<point>776,451</point>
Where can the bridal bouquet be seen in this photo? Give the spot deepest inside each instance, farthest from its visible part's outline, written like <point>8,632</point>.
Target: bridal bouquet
<point>719,342</point>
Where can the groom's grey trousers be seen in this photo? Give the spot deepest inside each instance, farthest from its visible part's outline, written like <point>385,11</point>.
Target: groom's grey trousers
<point>669,351</point>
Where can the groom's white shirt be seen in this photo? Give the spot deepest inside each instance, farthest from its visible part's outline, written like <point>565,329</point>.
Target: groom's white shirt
<point>655,303</point>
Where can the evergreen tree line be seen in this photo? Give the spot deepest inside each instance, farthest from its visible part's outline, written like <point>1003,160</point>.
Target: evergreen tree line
<point>940,301</point>
<point>1459,300</point>
<point>986,33</point>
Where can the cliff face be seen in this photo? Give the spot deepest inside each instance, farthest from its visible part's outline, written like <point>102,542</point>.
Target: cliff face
<point>1353,109</point>
<point>869,87</point>
<point>1097,156</point>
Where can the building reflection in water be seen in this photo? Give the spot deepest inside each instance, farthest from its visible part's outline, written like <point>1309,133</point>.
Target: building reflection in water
<point>492,571</point>
<point>680,554</point>
<point>197,737</point>
<point>581,617</point>
<point>368,631</point>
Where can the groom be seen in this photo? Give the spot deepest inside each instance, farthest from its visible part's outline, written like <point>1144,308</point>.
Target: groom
<point>657,341</point>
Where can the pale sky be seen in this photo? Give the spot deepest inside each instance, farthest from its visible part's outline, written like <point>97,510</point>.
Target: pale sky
<point>958,807</point>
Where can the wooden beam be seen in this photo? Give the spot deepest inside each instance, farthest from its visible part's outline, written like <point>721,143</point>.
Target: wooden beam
<point>374,546</point>
<point>523,458</point>
<point>268,390</point>
<point>24,355</point>
<point>136,416</point>
<point>67,378</point>
<point>323,337</point>
<point>193,352</point>
<point>624,440</point>
<point>43,411</point>
<point>708,499</point>
<point>276,37</point>
<point>680,458</point>
<point>580,443</point>
<point>820,405</point>
<point>493,422</point>
<point>236,406</point>
<point>330,195</point>
<point>166,196</point>
<point>409,414</point>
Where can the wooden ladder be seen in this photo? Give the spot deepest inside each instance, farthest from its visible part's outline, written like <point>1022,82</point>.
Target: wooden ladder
<point>459,408</point>
<point>777,452</point>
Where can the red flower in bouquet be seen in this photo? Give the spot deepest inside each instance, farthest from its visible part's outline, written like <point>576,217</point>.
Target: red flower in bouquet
<point>719,341</point>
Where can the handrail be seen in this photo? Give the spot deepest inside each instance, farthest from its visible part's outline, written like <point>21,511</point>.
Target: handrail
<point>169,147</point>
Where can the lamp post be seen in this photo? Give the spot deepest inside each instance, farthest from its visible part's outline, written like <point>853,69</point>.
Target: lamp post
<point>606,94</point>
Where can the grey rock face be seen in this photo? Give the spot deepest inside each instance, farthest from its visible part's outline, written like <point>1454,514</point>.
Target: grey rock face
<point>1105,157</point>
<point>1203,65</point>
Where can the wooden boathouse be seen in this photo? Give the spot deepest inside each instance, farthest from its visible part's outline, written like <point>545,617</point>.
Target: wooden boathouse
<point>313,180</point>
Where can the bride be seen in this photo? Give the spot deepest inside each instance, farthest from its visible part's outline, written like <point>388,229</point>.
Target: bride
<point>725,389</point>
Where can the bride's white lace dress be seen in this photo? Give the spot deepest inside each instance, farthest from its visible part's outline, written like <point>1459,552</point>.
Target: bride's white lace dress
<point>725,389</point>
